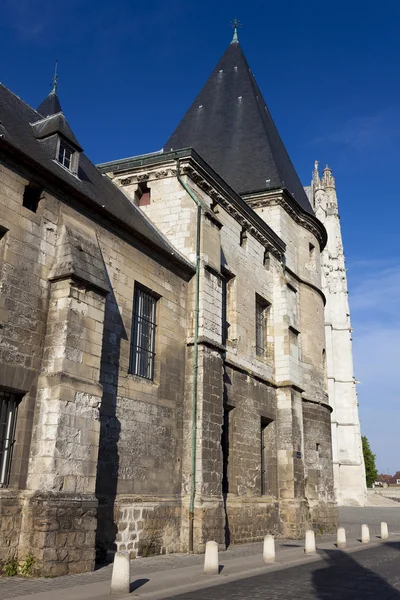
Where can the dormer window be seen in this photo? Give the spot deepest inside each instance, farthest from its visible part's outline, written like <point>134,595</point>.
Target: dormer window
<point>65,155</point>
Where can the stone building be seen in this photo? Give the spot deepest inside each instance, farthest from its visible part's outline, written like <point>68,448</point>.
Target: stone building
<point>163,375</point>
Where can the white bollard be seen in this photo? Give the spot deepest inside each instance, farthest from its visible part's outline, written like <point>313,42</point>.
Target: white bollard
<point>121,574</point>
<point>384,531</point>
<point>269,549</point>
<point>310,542</point>
<point>364,534</point>
<point>211,565</point>
<point>341,537</point>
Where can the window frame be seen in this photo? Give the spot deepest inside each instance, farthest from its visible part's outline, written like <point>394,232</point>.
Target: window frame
<point>8,419</point>
<point>261,323</point>
<point>64,144</point>
<point>144,302</point>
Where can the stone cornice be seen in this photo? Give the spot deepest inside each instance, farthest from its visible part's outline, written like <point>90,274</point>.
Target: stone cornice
<point>163,165</point>
<point>298,214</point>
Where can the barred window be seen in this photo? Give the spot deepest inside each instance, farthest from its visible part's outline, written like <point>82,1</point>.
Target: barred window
<point>143,333</point>
<point>261,325</point>
<point>8,414</point>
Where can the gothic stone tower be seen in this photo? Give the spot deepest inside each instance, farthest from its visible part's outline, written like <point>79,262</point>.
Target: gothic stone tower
<point>348,464</point>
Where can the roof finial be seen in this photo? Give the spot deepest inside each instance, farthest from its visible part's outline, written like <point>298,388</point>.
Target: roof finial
<point>55,78</point>
<point>316,180</point>
<point>236,24</point>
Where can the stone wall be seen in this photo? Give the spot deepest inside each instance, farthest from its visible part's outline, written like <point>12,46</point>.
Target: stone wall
<point>59,529</point>
<point>66,318</point>
<point>11,505</point>
<point>318,457</point>
<point>259,391</point>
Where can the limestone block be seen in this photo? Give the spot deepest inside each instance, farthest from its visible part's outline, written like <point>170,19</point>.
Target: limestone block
<point>211,564</point>
<point>269,549</point>
<point>310,542</point>
<point>365,537</point>
<point>121,573</point>
<point>341,537</point>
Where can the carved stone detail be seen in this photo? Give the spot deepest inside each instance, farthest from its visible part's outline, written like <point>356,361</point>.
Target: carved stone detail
<point>161,174</point>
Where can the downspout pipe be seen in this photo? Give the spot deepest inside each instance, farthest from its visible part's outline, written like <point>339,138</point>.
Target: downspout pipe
<point>195,355</point>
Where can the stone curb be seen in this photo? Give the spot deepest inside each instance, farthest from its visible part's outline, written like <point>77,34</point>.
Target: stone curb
<point>192,578</point>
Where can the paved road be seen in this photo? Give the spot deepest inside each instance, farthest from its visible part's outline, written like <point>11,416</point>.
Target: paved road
<point>372,574</point>
<point>352,517</point>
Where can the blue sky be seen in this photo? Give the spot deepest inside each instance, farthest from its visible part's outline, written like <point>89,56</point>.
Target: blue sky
<point>329,74</point>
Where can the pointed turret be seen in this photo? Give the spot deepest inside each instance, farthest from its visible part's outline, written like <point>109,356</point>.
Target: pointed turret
<point>230,126</point>
<point>51,104</point>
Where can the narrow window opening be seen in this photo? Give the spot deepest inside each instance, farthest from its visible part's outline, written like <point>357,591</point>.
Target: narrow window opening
<point>268,457</point>
<point>226,434</point>
<point>317,445</point>
<point>227,308</point>
<point>311,250</point>
<point>143,195</point>
<point>243,237</point>
<point>143,333</point>
<point>32,196</point>
<point>8,416</point>
<point>267,260</point>
<point>261,325</point>
<point>294,343</point>
<point>324,369</point>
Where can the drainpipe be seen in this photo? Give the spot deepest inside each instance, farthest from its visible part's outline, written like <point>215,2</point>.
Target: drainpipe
<point>195,357</point>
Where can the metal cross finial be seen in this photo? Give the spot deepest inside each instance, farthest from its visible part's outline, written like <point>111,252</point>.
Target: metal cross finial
<point>236,24</point>
<point>55,78</point>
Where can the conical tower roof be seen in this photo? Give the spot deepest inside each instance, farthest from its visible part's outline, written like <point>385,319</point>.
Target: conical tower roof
<point>50,105</point>
<point>230,126</point>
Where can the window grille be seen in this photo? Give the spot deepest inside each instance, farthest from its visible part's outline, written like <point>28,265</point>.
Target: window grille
<point>8,414</point>
<point>261,309</point>
<point>143,334</point>
<point>65,154</point>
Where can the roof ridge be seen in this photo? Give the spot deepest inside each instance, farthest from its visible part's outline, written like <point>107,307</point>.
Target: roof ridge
<point>20,99</point>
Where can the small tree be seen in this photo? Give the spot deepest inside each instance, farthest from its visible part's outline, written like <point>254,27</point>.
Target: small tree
<point>371,472</point>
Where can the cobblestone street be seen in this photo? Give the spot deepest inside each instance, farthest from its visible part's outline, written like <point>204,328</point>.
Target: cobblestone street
<point>368,574</point>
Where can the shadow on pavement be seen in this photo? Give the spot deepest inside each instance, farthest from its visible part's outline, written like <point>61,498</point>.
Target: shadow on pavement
<point>135,585</point>
<point>347,579</point>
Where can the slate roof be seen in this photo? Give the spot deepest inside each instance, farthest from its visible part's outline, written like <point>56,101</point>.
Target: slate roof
<point>55,124</point>
<point>16,119</point>
<point>50,105</point>
<point>230,126</point>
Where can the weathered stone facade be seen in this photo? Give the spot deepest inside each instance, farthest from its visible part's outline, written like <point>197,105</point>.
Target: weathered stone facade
<point>216,424</point>
<point>246,397</point>
<point>348,461</point>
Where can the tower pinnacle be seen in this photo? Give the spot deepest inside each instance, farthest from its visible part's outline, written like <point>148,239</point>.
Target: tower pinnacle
<point>328,181</point>
<point>236,24</point>
<point>315,180</point>
<point>55,78</point>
